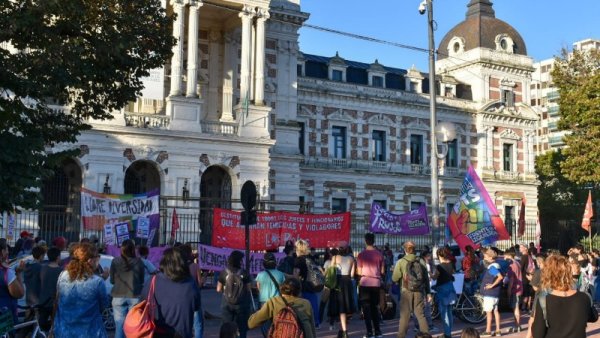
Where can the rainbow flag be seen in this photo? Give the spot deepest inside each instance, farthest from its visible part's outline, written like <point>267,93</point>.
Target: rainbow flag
<point>474,219</point>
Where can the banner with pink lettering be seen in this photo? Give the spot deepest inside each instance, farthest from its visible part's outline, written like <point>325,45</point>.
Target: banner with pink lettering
<point>414,222</point>
<point>213,258</point>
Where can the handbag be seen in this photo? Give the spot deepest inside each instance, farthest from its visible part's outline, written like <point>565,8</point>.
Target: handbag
<point>139,322</point>
<point>593,314</point>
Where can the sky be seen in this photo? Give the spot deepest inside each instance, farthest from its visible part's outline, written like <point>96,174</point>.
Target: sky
<point>547,26</point>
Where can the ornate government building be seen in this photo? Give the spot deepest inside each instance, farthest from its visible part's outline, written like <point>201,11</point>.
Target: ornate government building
<point>239,101</point>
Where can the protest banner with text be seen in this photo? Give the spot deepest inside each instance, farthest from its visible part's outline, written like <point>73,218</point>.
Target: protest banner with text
<point>414,222</point>
<point>212,258</point>
<point>98,209</point>
<point>274,229</point>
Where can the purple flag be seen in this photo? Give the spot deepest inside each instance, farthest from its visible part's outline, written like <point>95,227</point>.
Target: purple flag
<point>412,223</point>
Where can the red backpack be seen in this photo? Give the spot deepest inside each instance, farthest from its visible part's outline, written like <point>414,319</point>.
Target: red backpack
<point>286,324</point>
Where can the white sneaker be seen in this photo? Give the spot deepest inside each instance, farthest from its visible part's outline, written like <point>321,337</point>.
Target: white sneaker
<point>330,327</point>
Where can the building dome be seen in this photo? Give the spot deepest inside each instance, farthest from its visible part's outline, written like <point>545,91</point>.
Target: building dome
<point>481,29</point>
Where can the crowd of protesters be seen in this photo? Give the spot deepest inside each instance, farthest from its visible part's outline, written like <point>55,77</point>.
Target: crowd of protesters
<point>67,295</point>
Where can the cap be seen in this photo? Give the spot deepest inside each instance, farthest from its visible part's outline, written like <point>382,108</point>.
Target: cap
<point>269,256</point>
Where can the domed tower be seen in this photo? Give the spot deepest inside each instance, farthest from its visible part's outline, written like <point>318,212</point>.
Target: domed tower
<point>488,56</point>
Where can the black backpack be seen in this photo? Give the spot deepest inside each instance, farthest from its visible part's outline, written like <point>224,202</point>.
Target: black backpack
<point>315,280</point>
<point>234,286</point>
<point>415,278</point>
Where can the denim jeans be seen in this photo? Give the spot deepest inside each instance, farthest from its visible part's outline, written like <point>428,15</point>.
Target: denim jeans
<point>446,317</point>
<point>198,324</point>
<point>120,308</point>
<point>313,298</point>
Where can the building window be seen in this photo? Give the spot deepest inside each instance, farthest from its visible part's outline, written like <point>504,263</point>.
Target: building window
<point>338,135</point>
<point>377,81</point>
<point>337,75</point>
<point>413,86</point>
<point>509,218</point>
<point>338,205</point>
<point>378,145</point>
<point>301,138</point>
<point>415,205</point>
<point>383,203</point>
<point>299,70</point>
<point>508,98</point>
<point>416,149</point>
<point>452,156</point>
<point>507,156</point>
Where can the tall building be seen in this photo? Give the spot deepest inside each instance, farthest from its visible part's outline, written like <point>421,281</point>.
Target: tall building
<point>239,101</point>
<point>544,97</point>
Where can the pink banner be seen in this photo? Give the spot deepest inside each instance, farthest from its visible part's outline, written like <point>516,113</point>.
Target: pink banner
<point>213,258</point>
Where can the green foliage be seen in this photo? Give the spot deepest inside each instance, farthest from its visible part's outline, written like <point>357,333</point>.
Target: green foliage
<point>577,78</point>
<point>559,198</point>
<point>89,55</point>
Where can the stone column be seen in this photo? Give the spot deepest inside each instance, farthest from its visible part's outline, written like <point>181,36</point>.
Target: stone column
<point>490,147</point>
<point>525,152</point>
<point>259,93</point>
<point>530,152</point>
<point>246,15</point>
<point>177,59</point>
<point>192,59</point>
<point>229,77</point>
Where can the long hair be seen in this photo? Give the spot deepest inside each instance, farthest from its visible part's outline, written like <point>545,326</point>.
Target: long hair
<point>235,260</point>
<point>79,268</point>
<point>557,274</point>
<point>174,266</point>
<point>302,248</point>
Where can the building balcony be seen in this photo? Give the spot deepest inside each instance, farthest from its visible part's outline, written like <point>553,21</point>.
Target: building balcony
<point>147,121</point>
<point>508,176</point>
<point>553,95</point>
<point>556,141</point>
<point>219,128</point>
<point>554,111</point>
<point>553,126</point>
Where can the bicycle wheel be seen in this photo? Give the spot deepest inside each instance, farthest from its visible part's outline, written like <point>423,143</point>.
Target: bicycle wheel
<point>108,319</point>
<point>471,310</point>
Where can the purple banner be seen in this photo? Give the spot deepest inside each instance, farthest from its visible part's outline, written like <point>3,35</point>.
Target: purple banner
<point>412,223</point>
<point>213,258</point>
<point>154,256</point>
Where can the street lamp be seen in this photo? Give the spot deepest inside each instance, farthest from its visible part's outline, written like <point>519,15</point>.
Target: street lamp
<point>446,129</point>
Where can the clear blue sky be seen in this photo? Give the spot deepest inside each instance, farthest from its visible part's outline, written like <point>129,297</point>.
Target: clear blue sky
<point>545,25</point>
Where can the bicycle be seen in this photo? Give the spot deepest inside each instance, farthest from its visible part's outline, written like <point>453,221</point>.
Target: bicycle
<point>467,308</point>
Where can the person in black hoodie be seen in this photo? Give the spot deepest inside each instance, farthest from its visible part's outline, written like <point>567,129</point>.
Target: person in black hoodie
<point>127,277</point>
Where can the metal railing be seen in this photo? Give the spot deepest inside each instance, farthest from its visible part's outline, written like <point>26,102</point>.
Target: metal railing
<point>149,121</point>
<point>219,128</point>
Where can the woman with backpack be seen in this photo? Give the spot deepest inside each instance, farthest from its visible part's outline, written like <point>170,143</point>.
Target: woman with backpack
<point>444,287</point>
<point>127,278</point>
<point>302,266</point>
<point>234,283</point>
<point>272,310</point>
<point>341,299</point>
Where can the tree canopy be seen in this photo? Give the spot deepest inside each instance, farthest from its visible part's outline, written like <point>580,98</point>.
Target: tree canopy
<point>87,55</point>
<point>577,77</point>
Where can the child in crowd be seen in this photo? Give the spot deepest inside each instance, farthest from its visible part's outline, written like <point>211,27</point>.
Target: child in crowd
<point>491,285</point>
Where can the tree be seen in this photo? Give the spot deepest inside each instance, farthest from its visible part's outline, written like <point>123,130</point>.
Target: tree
<point>577,77</point>
<point>86,55</point>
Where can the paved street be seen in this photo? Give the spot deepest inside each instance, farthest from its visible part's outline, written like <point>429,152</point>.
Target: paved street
<point>211,302</point>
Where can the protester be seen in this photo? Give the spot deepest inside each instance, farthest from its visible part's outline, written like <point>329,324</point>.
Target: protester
<point>536,284</point>
<point>491,285</point>
<point>327,293</point>
<point>127,277</point>
<point>81,297</point>
<point>188,256</point>
<point>411,301</point>
<point>444,287</point>
<point>472,269</point>
<point>301,272</point>
<point>176,295</point>
<point>567,310</point>
<point>427,257</point>
<point>370,267</point>
<point>11,286</point>
<point>341,300</point>
<point>268,282</point>
<point>515,287</point>
<point>286,265</point>
<point>234,283</point>
<point>48,279</point>
<point>469,332</point>
<point>229,330</point>
<point>32,281</point>
<point>527,269</point>
<point>149,268</point>
<point>290,290</point>
<point>60,242</point>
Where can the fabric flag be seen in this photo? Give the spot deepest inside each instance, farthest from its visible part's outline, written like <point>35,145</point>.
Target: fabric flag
<point>174,223</point>
<point>474,219</point>
<point>521,229</point>
<point>586,224</point>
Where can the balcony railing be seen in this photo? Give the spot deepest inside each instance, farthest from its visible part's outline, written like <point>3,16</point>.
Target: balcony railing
<point>219,128</point>
<point>149,121</point>
<point>553,111</point>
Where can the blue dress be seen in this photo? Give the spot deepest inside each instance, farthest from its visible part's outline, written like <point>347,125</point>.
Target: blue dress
<point>80,306</point>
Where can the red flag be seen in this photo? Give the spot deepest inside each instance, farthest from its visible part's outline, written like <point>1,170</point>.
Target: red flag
<point>521,228</point>
<point>538,233</point>
<point>586,224</point>
<point>174,223</point>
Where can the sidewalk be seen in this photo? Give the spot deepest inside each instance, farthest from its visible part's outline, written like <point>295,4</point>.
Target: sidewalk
<point>211,303</point>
